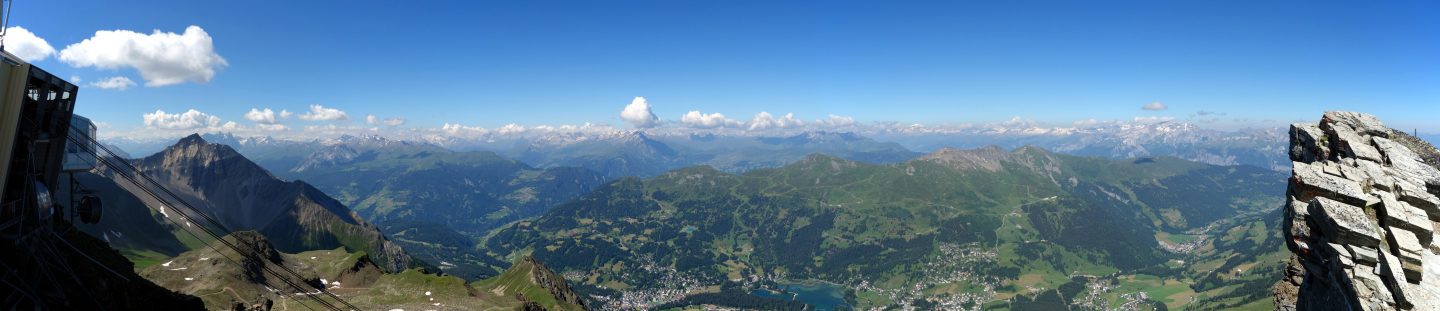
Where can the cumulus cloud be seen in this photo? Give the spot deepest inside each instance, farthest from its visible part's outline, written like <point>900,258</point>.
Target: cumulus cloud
<point>638,113</point>
<point>764,120</point>
<point>320,113</point>
<point>1155,106</point>
<point>266,116</point>
<point>26,45</point>
<point>114,83</point>
<point>162,58</point>
<point>392,122</point>
<point>192,119</point>
<point>285,114</point>
<point>695,119</point>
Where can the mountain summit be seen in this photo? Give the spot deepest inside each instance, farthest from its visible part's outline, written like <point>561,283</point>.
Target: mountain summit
<point>241,195</point>
<point>1360,218</point>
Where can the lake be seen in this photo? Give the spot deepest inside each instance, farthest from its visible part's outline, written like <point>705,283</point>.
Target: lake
<point>821,296</point>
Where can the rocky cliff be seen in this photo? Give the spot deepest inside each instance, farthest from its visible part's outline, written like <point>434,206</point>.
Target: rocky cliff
<point>1360,218</point>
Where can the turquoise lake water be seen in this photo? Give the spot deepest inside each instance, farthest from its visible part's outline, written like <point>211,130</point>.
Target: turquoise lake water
<point>819,295</point>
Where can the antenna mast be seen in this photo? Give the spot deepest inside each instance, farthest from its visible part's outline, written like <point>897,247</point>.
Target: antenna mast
<point>4,20</point>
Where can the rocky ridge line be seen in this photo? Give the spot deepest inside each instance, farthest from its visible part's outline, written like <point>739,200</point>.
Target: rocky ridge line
<point>1360,218</point>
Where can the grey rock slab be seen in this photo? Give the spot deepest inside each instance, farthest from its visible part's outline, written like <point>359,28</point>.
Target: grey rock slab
<point>1406,162</point>
<point>1376,172</point>
<point>1352,144</point>
<point>1298,225</point>
<point>1305,143</point>
<point>1364,255</point>
<point>1312,182</point>
<point>1415,195</point>
<point>1409,253</point>
<point>1367,284</point>
<point>1404,216</point>
<point>1343,253</point>
<point>1363,123</point>
<point>1390,273</point>
<point>1331,168</point>
<point>1344,223</point>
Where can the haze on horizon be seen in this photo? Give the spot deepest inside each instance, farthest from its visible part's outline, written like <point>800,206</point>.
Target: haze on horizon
<point>325,69</point>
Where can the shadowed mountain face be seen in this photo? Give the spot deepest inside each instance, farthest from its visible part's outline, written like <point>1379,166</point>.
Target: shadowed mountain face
<point>241,195</point>
<point>468,191</point>
<point>1003,221</point>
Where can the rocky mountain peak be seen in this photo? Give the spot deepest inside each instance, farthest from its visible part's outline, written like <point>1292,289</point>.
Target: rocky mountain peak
<point>193,139</point>
<point>550,281</point>
<point>251,242</point>
<point>1360,218</point>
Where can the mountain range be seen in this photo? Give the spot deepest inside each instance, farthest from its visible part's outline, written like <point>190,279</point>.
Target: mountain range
<point>635,221</point>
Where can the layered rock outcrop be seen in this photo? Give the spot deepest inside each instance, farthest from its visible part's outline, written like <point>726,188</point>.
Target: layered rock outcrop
<point>1360,219</point>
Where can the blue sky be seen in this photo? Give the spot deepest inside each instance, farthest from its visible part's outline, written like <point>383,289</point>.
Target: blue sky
<point>491,63</point>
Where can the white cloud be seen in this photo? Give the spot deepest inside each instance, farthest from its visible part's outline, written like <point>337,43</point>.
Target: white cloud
<point>1155,106</point>
<point>285,114</point>
<point>392,122</point>
<point>114,83</point>
<point>76,79</point>
<point>162,58</point>
<point>26,45</point>
<point>320,113</point>
<point>192,119</point>
<point>461,130</point>
<point>838,121</point>
<point>1153,119</point>
<point>266,116</point>
<point>764,120</point>
<point>511,128</point>
<point>638,113</point>
<point>1017,121</point>
<point>695,119</point>
<point>271,127</point>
